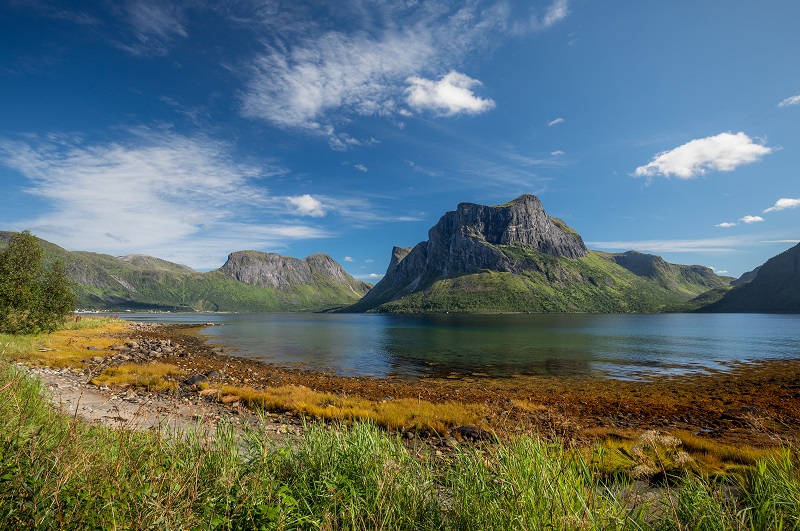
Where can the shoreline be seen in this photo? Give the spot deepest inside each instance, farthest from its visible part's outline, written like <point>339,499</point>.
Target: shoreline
<point>753,404</point>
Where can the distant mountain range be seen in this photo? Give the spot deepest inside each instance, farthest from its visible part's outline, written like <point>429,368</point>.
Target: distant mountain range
<point>249,281</point>
<point>477,259</point>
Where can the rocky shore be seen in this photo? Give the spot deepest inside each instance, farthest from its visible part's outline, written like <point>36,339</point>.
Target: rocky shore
<point>754,404</point>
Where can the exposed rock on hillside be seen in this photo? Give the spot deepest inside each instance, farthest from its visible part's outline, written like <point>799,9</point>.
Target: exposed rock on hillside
<point>268,270</point>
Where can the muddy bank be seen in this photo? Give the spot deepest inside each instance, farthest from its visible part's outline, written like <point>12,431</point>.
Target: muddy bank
<point>754,404</point>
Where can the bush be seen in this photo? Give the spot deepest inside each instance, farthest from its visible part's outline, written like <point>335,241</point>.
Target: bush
<point>33,298</point>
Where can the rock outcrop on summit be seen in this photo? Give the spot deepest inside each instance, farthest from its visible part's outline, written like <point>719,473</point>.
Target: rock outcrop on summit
<point>514,257</point>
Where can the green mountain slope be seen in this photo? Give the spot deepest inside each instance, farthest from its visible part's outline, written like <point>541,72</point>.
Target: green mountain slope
<point>140,282</point>
<point>772,288</point>
<point>593,283</point>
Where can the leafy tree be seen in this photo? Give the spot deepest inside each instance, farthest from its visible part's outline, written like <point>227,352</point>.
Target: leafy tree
<point>32,297</point>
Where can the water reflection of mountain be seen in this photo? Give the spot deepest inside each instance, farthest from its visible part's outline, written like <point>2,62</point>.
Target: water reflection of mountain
<point>560,345</point>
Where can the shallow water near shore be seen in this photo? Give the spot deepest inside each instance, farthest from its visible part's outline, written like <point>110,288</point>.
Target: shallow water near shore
<point>621,346</point>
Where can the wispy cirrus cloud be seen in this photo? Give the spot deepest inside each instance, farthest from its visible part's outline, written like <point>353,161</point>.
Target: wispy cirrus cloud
<point>317,78</point>
<point>535,21</point>
<point>557,121</point>
<point>153,26</point>
<point>181,198</point>
<point>674,246</point>
<point>722,152</point>
<point>783,203</point>
<point>793,100</point>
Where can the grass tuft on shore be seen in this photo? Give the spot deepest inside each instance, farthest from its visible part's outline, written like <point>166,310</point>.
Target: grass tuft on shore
<point>398,414</point>
<point>67,347</point>
<point>153,376</point>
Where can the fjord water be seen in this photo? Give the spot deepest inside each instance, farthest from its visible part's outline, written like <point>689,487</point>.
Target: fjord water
<point>567,345</point>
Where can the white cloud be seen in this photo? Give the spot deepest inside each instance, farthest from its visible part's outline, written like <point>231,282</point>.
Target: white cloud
<point>794,100</point>
<point>751,219</point>
<point>673,246</point>
<point>725,225</point>
<point>370,276</point>
<point>723,152</point>
<point>556,12</point>
<point>305,205</point>
<point>361,167</point>
<point>784,203</point>
<point>450,95</point>
<point>179,198</point>
<point>349,259</point>
<point>154,25</point>
<point>555,122</point>
<point>557,152</point>
<point>369,261</point>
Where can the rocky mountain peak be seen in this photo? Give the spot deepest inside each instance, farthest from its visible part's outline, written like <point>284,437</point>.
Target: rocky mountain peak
<point>269,270</point>
<point>473,239</point>
<point>522,221</point>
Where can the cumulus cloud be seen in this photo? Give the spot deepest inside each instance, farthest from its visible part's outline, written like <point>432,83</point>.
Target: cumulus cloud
<point>305,205</point>
<point>751,219</point>
<point>450,95</point>
<point>555,122</point>
<point>349,259</point>
<point>557,153</point>
<point>725,225</point>
<point>784,203</point>
<point>793,100</point>
<point>180,198</point>
<point>723,152</point>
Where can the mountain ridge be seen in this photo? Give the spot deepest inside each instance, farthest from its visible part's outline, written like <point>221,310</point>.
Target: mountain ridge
<point>142,282</point>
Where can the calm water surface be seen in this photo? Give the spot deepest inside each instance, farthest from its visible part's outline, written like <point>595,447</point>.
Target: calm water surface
<point>616,346</point>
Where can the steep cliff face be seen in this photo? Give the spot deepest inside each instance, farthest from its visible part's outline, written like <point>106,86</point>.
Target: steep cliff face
<point>284,273</point>
<point>776,288</point>
<point>473,239</point>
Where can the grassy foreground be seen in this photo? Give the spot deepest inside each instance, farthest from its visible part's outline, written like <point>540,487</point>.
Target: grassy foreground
<point>59,473</point>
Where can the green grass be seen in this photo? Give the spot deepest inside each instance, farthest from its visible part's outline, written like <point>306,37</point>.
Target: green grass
<point>58,473</point>
<point>545,284</point>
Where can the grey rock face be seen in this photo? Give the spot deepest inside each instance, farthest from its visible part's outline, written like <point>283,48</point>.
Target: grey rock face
<point>268,270</point>
<point>468,240</point>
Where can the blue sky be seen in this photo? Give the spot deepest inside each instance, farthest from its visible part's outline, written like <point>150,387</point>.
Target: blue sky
<point>188,130</point>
